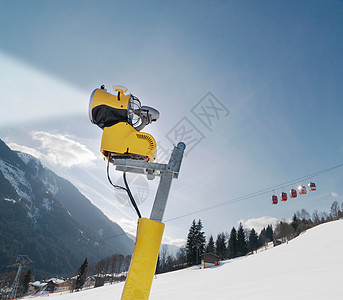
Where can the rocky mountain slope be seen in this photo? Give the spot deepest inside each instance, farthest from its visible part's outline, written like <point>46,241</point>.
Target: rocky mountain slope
<point>47,218</point>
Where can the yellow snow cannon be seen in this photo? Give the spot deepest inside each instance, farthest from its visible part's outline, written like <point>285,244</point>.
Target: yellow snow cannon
<point>122,118</point>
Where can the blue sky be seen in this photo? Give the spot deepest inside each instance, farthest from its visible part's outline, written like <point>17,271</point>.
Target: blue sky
<point>276,66</point>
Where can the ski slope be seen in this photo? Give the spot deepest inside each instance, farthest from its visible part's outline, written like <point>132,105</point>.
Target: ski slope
<point>308,267</point>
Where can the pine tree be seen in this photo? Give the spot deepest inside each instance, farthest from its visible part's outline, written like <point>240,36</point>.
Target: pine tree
<point>158,265</point>
<point>295,223</point>
<point>266,235</point>
<point>190,246</point>
<point>221,245</point>
<point>82,275</point>
<point>253,240</point>
<point>200,239</point>
<point>232,245</point>
<point>210,248</point>
<point>269,233</point>
<point>262,238</point>
<point>242,248</point>
<point>26,281</point>
<point>195,243</point>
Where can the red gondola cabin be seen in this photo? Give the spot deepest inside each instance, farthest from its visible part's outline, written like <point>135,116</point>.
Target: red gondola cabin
<point>302,189</point>
<point>283,196</point>
<point>312,186</point>
<point>293,193</point>
<point>274,199</point>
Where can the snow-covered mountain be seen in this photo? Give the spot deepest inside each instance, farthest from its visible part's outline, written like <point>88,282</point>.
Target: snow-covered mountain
<point>308,267</point>
<point>46,217</point>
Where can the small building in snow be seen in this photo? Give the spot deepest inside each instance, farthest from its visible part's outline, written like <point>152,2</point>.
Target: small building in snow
<point>57,285</point>
<point>209,260</point>
<point>36,286</point>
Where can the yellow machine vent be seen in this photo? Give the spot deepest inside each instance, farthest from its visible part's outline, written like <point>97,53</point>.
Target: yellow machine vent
<point>148,139</point>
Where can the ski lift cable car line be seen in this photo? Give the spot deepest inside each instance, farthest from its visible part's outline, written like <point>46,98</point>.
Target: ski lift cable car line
<point>258,193</point>
<point>246,197</point>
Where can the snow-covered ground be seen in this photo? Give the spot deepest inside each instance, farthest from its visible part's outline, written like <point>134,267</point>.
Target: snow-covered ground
<point>308,267</point>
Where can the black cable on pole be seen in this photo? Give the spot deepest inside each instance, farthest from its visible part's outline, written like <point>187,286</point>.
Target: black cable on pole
<point>109,178</point>
<point>127,189</point>
<point>131,197</point>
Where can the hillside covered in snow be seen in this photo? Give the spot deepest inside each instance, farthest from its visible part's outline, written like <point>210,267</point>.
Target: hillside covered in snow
<point>308,267</point>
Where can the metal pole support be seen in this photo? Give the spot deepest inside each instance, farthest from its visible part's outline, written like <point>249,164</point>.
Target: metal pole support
<point>149,231</point>
<point>167,176</point>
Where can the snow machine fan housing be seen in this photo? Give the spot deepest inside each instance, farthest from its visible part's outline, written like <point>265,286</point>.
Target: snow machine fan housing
<point>122,117</point>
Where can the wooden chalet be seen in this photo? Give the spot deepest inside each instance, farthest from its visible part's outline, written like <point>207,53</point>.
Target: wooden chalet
<point>209,260</point>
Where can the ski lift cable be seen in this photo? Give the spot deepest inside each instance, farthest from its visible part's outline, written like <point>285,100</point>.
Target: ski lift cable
<point>257,193</point>
<point>243,198</point>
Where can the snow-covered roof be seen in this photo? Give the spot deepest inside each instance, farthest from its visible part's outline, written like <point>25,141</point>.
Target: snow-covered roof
<point>55,280</point>
<point>38,284</point>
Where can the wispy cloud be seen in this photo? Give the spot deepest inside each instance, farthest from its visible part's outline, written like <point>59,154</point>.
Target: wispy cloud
<point>25,149</point>
<point>259,223</point>
<point>172,241</point>
<point>334,194</point>
<point>129,226</point>
<point>60,150</point>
